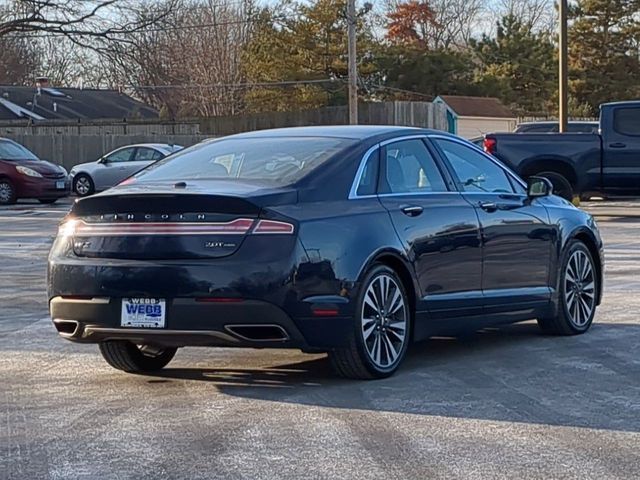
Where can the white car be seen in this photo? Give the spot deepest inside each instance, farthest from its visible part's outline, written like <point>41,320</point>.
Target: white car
<point>114,167</point>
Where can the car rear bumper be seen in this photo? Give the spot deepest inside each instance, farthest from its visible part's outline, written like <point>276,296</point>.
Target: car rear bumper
<point>190,322</point>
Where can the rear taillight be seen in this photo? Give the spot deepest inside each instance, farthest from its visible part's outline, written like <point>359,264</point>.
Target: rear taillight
<point>239,226</point>
<point>272,226</point>
<point>489,145</point>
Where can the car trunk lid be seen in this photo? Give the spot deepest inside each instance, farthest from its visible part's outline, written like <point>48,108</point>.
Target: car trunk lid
<point>157,222</point>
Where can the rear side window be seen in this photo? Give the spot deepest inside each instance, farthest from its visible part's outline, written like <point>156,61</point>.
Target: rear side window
<point>626,121</point>
<point>409,168</point>
<point>369,179</point>
<point>276,160</point>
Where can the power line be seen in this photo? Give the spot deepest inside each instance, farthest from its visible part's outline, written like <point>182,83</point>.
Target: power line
<point>234,85</point>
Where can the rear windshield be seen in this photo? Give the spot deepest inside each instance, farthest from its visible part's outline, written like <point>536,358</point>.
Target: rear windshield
<point>13,151</point>
<point>280,161</point>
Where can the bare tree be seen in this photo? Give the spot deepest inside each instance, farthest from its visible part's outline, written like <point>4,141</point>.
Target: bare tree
<point>190,65</point>
<point>77,19</point>
<point>538,15</point>
<point>18,61</point>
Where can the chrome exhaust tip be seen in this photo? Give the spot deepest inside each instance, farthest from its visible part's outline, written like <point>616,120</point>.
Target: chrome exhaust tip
<point>259,333</point>
<point>67,328</point>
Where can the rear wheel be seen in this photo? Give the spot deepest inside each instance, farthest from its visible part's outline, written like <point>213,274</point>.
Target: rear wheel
<point>83,185</point>
<point>381,330</point>
<point>578,293</point>
<point>7,192</point>
<point>132,358</point>
<point>561,186</point>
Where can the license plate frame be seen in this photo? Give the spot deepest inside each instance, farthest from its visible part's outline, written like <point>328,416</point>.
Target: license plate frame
<point>139,312</point>
<point>60,185</point>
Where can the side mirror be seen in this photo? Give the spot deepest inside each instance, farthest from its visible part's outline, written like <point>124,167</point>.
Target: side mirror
<point>102,160</point>
<point>539,187</point>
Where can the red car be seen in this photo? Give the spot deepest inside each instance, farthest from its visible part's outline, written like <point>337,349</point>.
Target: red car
<point>24,175</point>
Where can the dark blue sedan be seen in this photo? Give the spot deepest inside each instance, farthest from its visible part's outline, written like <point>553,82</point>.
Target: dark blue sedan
<point>355,241</point>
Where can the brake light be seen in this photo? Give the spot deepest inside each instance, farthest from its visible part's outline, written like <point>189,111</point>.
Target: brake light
<point>272,226</point>
<point>489,145</point>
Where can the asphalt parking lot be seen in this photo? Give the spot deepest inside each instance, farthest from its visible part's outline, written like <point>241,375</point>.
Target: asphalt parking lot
<point>505,403</point>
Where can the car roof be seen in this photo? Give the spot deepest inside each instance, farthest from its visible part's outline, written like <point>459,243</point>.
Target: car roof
<point>355,132</point>
<point>150,145</point>
<point>555,122</point>
<point>629,103</point>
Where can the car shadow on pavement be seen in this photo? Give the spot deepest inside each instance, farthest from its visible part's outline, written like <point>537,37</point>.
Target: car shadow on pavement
<point>511,374</point>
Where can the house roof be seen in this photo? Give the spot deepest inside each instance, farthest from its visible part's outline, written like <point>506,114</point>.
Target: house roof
<point>18,102</point>
<point>477,106</point>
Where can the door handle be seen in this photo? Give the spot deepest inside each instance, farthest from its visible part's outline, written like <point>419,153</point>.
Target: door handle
<point>618,145</point>
<point>412,210</point>
<point>488,206</point>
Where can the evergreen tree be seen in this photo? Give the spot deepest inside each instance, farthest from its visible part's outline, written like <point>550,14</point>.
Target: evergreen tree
<point>604,51</point>
<point>520,65</point>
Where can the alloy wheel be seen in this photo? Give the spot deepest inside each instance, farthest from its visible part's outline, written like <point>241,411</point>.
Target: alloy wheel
<point>83,185</point>
<point>579,288</point>
<point>384,321</point>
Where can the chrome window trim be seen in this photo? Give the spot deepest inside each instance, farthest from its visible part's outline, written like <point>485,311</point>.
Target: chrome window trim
<point>464,143</point>
<point>359,172</point>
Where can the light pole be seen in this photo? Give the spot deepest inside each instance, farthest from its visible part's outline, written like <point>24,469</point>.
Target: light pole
<point>353,68</point>
<point>563,90</point>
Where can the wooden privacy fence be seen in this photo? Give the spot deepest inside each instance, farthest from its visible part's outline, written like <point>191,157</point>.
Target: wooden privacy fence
<point>71,142</point>
<point>413,114</point>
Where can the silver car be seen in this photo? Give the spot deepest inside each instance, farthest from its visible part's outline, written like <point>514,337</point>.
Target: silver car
<point>111,169</point>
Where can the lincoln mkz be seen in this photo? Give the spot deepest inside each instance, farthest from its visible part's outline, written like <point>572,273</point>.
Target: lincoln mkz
<point>354,241</point>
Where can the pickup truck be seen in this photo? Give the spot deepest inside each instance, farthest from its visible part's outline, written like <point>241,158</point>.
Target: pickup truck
<point>605,164</point>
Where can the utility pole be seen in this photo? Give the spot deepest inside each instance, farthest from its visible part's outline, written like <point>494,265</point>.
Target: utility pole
<point>353,67</point>
<point>563,54</point>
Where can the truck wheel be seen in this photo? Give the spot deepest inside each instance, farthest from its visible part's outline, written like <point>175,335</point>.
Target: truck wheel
<point>132,358</point>
<point>561,186</point>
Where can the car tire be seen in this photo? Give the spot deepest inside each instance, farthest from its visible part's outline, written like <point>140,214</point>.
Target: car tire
<point>578,293</point>
<point>7,192</point>
<point>561,186</point>
<point>47,201</point>
<point>380,338</point>
<point>83,185</point>
<point>129,357</point>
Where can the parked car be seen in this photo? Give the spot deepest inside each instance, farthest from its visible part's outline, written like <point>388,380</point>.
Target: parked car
<point>605,164</point>
<point>111,169</point>
<point>355,241</point>
<point>24,175</point>
<point>554,127</point>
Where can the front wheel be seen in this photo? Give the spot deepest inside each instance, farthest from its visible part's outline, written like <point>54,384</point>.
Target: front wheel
<point>7,192</point>
<point>83,185</point>
<point>380,337</point>
<point>579,287</point>
<point>132,358</point>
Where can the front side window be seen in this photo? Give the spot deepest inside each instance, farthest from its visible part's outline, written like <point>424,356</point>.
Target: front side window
<point>277,160</point>
<point>409,168</point>
<point>123,155</point>
<point>475,172</point>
